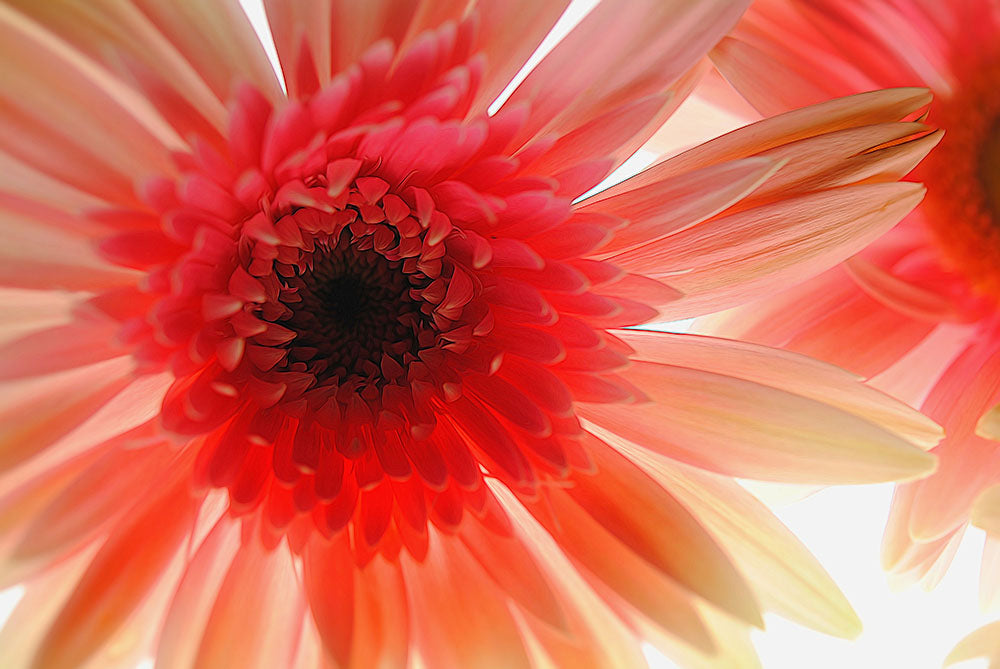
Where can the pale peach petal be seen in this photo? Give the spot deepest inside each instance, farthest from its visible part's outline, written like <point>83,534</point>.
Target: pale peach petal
<point>942,501</point>
<point>34,186</point>
<point>876,107</point>
<point>624,579</point>
<point>192,603</point>
<point>733,645</point>
<point>42,601</point>
<point>93,124</point>
<point>752,430</point>
<point>134,41</point>
<point>512,29</point>
<point>323,38</point>
<point>676,203</point>
<point>982,643</point>
<point>866,154</point>
<point>94,498</point>
<point>788,371</point>
<point>50,408</point>
<point>527,584</point>
<point>896,541</point>
<point>770,246</point>
<point>39,256</point>
<point>786,577</point>
<point>986,511</point>
<point>81,342</point>
<point>902,296</point>
<point>216,38</point>
<point>745,66</point>
<point>989,574</point>
<point>988,426</point>
<point>817,316</point>
<point>620,52</point>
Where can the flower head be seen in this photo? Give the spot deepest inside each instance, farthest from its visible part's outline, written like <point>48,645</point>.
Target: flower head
<point>354,353</point>
<point>922,305</point>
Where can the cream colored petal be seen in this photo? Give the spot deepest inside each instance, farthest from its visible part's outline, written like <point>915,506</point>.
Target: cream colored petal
<point>986,511</point>
<point>983,642</point>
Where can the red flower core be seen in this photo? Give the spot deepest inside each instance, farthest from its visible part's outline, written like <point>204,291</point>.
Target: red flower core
<point>369,302</point>
<point>964,205</point>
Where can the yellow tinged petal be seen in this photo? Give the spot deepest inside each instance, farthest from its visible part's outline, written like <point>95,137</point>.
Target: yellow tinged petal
<point>989,424</point>
<point>983,642</point>
<point>986,511</point>
<point>786,577</point>
<point>742,428</point>
<point>786,370</point>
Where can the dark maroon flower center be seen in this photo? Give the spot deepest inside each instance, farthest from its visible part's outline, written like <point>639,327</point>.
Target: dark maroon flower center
<point>352,313</point>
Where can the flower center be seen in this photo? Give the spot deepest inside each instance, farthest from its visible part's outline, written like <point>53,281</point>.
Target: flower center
<point>963,178</point>
<point>350,309</point>
<point>989,170</point>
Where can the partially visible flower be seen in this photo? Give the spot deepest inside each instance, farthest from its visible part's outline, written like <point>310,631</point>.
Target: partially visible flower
<point>920,308</point>
<point>344,381</point>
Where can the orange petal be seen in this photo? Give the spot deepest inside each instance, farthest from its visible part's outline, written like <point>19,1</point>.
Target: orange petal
<point>664,533</point>
<point>122,573</point>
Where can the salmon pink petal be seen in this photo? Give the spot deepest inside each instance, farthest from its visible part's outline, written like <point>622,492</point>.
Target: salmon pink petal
<point>690,556</point>
<point>474,622</point>
<point>111,133</point>
<point>192,603</point>
<point>257,613</point>
<point>787,371</point>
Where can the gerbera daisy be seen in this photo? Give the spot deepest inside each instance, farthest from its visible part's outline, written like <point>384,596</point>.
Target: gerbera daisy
<point>919,310</point>
<point>337,376</point>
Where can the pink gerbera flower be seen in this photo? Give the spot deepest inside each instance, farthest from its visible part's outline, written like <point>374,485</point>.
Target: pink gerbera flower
<point>920,309</point>
<point>337,377</point>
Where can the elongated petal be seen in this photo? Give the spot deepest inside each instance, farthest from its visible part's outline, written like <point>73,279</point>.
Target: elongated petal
<point>107,132</point>
<point>787,371</point>
<point>660,209</point>
<point>986,511</point>
<point>119,577</point>
<point>666,535</point>
<point>621,51</point>
<point>786,577</point>
<point>257,614</point>
<point>191,605</point>
<point>742,428</point>
<point>752,253</point>
<point>983,642</point>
